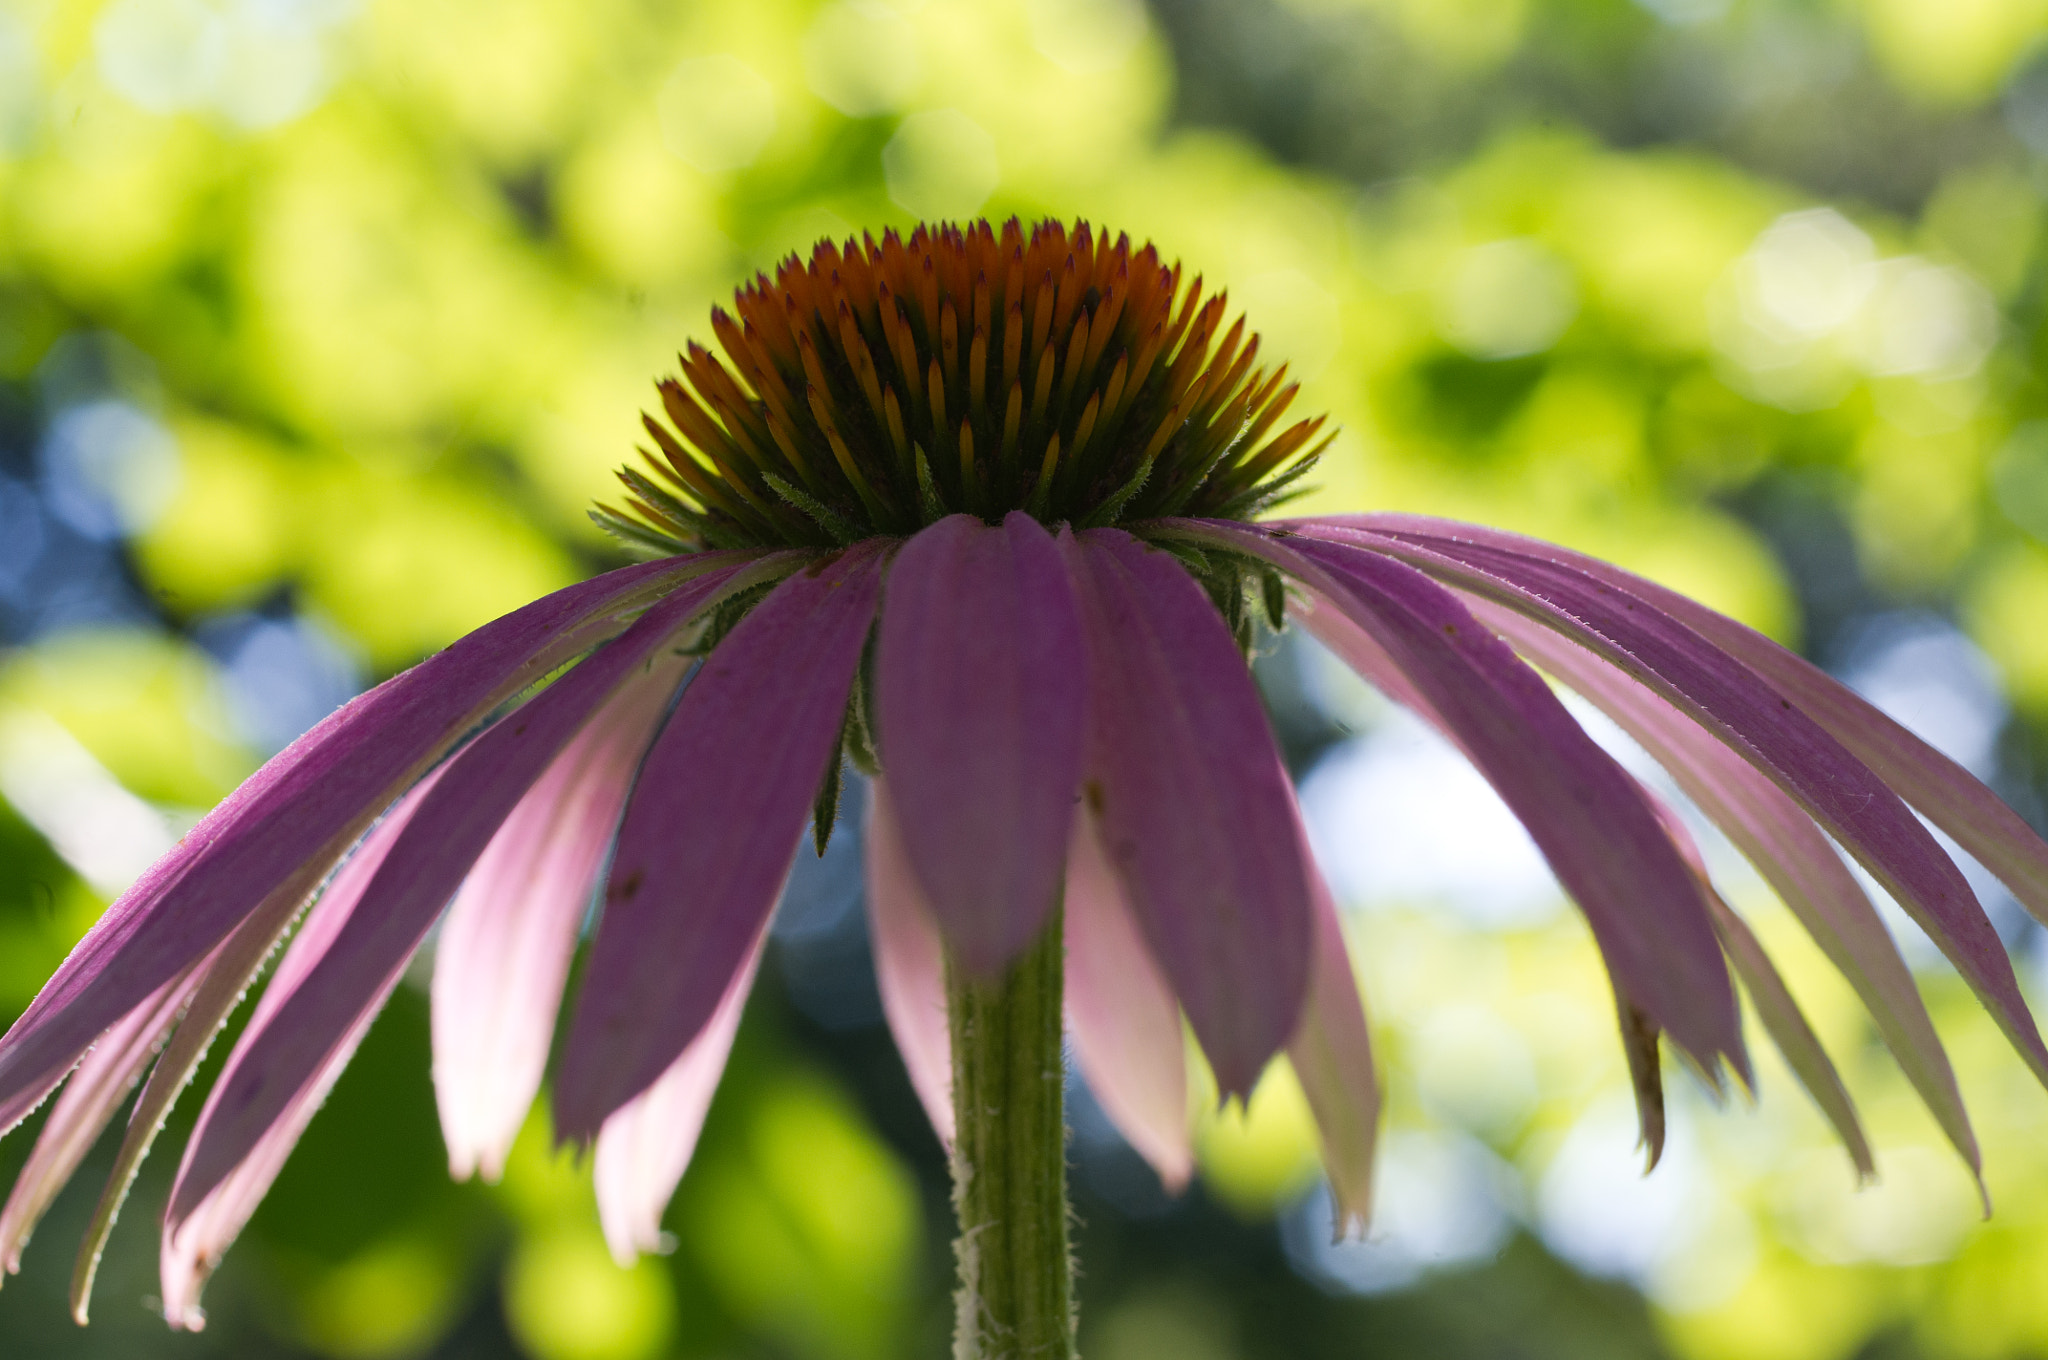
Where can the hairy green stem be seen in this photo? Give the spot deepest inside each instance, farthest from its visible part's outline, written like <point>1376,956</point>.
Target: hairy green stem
<point>1015,1299</point>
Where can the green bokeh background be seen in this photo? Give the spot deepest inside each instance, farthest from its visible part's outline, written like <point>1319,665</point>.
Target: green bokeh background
<point>324,320</point>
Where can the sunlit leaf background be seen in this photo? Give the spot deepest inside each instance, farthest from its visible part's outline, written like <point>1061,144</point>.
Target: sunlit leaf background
<point>321,321</point>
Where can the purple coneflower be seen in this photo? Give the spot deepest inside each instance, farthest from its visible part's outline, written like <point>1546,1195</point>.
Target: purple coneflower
<point>975,511</point>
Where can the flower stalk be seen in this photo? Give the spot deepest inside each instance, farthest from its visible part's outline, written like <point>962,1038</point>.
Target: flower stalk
<point>1015,1298</point>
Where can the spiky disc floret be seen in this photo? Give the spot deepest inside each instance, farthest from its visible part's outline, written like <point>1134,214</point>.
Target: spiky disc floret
<point>877,388</point>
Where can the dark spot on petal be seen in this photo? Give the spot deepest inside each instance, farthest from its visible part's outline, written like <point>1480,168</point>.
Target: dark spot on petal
<point>625,890</point>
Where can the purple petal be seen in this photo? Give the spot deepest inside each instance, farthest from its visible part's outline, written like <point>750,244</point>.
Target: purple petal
<point>910,964</point>
<point>1782,1018</point>
<point>1193,804</point>
<point>1586,815</point>
<point>95,1091</point>
<point>29,1096</point>
<point>1122,1015</point>
<point>1332,1055</point>
<point>1742,708</point>
<point>195,1235</point>
<point>276,836</point>
<point>1789,851</point>
<point>1790,1031</point>
<point>472,797</point>
<point>979,693</point>
<point>506,943</point>
<point>1639,1034</point>
<point>224,979</point>
<point>646,1144</point>
<point>711,830</point>
<point>1946,793</point>
<point>1357,649</point>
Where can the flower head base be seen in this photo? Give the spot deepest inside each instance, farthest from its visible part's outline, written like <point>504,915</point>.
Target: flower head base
<point>884,386</point>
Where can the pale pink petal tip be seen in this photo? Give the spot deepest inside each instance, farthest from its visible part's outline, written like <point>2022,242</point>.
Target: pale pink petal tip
<point>710,833</point>
<point>910,966</point>
<point>456,814</point>
<point>645,1146</point>
<point>196,1236</point>
<point>279,833</point>
<point>218,984</point>
<point>1332,1057</point>
<point>91,1097</point>
<point>508,939</point>
<point>193,1245</point>
<point>1193,803</point>
<point>1121,1013</point>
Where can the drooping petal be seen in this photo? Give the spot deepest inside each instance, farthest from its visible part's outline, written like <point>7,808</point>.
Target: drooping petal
<point>470,800</point>
<point>1639,1032</point>
<point>1122,1016</point>
<point>224,979</point>
<point>1332,1056</point>
<point>1946,793</point>
<point>979,697</point>
<point>1357,649</point>
<point>1789,851</point>
<point>1943,791</point>
<point>1790,1031</point>
<point>1192,801</point>
<point>1589,818</point>
<point>507,941</point>
<point>195,1237</point>
<point>273,839</point>
<point>646,1144</point>
<point>30,1097</point>
<point>910,963</point>
<point>1783,1020</point>
<point>95,1090</point>
<point>709,835</point>
<point>1742,708</point>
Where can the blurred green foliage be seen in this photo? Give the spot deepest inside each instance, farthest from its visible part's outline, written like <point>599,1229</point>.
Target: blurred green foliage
<point>333,315</point>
